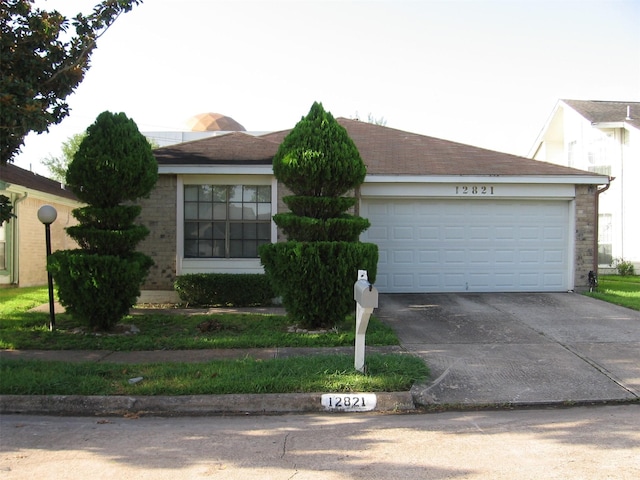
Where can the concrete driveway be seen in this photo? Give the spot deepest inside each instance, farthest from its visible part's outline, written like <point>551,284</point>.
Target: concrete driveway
<point>518,348</point>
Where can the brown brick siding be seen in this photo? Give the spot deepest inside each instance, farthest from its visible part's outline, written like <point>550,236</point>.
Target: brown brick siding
<point>586,235</point>
<point>159,216</point>
<point>31,239</point>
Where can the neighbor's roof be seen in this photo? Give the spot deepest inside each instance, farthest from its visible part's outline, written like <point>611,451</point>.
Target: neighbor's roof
<point>17,176</point>
<point>600,111</point>
<point>385,151</point>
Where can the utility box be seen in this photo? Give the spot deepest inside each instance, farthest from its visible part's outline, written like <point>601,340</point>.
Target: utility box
<point>365,294</point>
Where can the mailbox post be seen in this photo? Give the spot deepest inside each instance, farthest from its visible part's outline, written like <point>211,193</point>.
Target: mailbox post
<point>366,297</point>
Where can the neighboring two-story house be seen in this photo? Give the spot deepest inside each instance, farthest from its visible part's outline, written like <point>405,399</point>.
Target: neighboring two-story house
<point>602,137</point>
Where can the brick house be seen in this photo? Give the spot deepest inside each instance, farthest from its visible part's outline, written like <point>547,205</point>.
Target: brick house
<point>447,217</point>
<point>22,239</point>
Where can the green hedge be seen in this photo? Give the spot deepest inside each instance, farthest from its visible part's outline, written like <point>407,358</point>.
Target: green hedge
<point>98,289</point>
<point>229,289</point>
<point>316,279</point>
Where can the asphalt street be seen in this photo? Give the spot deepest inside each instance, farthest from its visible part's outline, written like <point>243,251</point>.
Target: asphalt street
<point>594,443</point>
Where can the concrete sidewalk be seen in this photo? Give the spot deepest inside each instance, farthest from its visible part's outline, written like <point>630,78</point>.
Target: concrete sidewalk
<point>484,351</point>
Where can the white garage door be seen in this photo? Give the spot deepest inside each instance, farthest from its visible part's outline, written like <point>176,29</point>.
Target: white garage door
<point>474,246</point>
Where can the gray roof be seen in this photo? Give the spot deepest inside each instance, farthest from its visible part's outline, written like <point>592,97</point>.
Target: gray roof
<point>384,150</point>
<point>24,178</point>
<point>600,111</point>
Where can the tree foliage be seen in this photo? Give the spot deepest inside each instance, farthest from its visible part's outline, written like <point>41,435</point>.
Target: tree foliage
<point>42,63</point>
<point>114,165</point>
<point>315,269</point>
<point>98,176</point>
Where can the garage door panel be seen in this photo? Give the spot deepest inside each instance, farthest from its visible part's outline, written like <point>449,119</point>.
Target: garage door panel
<point>455,246</point>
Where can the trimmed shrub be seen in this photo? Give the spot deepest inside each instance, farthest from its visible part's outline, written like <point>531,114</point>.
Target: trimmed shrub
<point>114,164</point>
<point>345,228</point>
<point>319,207</point>
<point>316,279</point>
<point>98,288</point>
<point>229,289</point>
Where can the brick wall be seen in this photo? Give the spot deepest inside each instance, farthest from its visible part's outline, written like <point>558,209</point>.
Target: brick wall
<point>31,239</point>
<point>586,235</point>
<point>159,216</point>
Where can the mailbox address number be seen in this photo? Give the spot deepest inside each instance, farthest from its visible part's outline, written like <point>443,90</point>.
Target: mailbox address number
<point>474,190</point>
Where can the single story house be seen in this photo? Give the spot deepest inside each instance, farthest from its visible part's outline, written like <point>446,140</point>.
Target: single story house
<point>22,239</point>
<point>447,217</point>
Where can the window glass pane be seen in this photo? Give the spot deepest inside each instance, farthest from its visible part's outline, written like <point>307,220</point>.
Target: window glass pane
<point>218,248</point>
<point>205,248</point>
<point>250,249</point>
<point>264,211</point>
<point>264,194</point>
<point>262,242</point>
<point>190,211</point>
<point>235,249</point>
<point>249,231</point>
<point>219,211</point>
<point>205,211</point>
<point>205,194</point>
<point>235,231</point>
<point>191,193</point>
<point>235,193</point>
<point>249,193</point>
<point>205,230</point>
<point>219,230</point>
<point>263,231</point>
<point>190,230</point>
<point>219,193</point>
<point>249,211</point>
<point>235,211</point>
<point>190,248</point>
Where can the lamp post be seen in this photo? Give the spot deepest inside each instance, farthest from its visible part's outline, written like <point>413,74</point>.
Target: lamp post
<point>47,215</point>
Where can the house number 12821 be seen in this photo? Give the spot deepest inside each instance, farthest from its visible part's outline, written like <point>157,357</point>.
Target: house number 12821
<point>474,190</point>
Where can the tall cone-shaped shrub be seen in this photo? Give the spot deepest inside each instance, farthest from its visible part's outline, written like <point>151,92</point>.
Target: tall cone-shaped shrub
<point>114,164</point>
<point>315,269</point>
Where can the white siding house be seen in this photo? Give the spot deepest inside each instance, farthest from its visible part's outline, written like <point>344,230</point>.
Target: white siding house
<point>602,137</point>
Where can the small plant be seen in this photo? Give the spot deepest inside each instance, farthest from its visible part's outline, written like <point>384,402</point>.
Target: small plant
<point>624,267</point>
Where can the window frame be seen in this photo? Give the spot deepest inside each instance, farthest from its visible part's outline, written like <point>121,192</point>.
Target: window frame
<point>188,264</point>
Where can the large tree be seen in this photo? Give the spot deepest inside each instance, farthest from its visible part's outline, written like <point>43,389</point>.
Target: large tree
<point>41,64</point>
<point>315,269</point>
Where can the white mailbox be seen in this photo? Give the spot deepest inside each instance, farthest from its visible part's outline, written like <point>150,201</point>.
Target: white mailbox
<point>366,297</point>
<point>365,294</point>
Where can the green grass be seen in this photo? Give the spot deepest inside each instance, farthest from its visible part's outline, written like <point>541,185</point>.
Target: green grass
<point>331,373</point>
<point>621,290</point>
<point>21,329</point>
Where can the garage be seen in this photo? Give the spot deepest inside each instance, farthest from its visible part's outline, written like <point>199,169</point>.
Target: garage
<point>478,245</point>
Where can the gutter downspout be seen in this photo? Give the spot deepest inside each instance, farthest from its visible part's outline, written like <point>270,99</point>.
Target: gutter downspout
<point>597,223</point>
<point>14,275</point>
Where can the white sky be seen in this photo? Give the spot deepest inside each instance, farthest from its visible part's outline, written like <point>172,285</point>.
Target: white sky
<point>482,72</point>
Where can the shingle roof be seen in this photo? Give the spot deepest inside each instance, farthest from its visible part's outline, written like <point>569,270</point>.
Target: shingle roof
<point>24,178</point>
<point>600,111</point>
<point>385,151</point>
<point>235,147</point>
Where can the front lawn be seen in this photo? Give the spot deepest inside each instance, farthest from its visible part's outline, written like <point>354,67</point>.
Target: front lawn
<point>21,329</point>
<point>24,330</point>
<point>621,290</point>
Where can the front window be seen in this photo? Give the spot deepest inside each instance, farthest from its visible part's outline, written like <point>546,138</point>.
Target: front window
<point>226,221</point>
